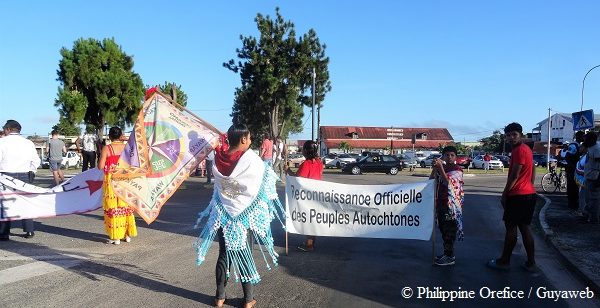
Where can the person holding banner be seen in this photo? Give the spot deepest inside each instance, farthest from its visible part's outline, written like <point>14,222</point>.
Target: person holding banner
<point>18,158</point>
<point>119,221</point>
<point>449,201</point>
<point>244,203</point>
<point>311,168</point>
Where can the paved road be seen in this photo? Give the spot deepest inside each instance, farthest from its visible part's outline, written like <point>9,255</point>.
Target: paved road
<point>67,264</point>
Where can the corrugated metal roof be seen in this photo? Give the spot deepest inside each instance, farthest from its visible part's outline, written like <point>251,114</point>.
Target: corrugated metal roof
<point>342,132</point>
<point>382,143</point>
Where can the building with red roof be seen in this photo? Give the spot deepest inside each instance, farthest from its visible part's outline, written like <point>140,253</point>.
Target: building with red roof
<point>382,138</point>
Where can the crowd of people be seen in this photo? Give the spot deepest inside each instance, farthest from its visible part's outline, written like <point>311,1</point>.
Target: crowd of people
<point>581,160</point>
<point>242,177</point>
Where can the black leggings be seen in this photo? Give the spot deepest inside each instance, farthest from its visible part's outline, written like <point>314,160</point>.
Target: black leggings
<point>221,270</point>
<point>448,228</point>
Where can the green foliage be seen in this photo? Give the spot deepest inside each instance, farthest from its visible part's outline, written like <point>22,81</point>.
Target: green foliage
<point>345,146</point>
<point>64,127</point>
<point>98,85</point>
<point>460,148</point>
<point>493,143</point>
<point>181,96</point>
<point>276,77</point>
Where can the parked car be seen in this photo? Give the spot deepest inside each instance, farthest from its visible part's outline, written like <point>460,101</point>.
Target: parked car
<point>463,160</point>
<point>504,159</point>
<point>343,159</point>
<point>495,163</point>
<point>542,160</point>
<point>294,160</point>
<point>374,163</point>
<point>428,161</point>
<point>406,162</point>
<point>70,159</point>
<point>328,158</point>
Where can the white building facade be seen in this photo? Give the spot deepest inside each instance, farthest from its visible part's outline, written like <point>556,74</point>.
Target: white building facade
<point>561,128</point>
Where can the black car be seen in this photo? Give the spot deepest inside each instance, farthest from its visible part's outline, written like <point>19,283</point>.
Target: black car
<point>374,163</point>
<point>406,162</point>
<point>541,159</point>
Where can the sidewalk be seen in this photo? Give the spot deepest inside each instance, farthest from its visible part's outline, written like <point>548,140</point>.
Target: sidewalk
<point>578,243</point>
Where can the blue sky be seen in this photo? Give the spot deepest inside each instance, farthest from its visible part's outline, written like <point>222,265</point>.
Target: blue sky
<point>469,66</point>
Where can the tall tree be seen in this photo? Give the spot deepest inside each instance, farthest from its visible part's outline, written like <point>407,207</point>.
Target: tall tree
<point>66,128</point>
<point>99,85</point>
<point>181,96</point>
<point>493,143</point>
<point>276,77</point>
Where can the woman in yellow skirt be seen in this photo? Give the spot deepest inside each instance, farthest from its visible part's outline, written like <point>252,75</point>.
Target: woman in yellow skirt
<point>119,221</point>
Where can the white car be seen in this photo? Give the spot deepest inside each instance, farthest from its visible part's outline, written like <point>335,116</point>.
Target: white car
<point>71,159</point>
<point>342,160</point>
<point>495,163</point>
<point>294,160</point>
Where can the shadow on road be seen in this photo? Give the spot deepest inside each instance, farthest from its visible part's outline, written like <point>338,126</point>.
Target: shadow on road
<point>94,269</point>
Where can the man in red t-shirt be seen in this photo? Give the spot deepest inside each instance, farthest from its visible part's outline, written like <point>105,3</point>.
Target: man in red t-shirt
<point>486,161</point>
<point>518,200</point>
<point>266,150</point>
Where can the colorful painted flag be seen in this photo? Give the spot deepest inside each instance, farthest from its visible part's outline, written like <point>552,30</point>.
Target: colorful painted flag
<point>166,145</point>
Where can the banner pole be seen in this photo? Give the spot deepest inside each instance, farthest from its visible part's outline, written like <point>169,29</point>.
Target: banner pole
<point>286,243</point>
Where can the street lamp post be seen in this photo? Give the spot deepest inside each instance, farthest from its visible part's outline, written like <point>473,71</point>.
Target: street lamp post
<point>583,85</point>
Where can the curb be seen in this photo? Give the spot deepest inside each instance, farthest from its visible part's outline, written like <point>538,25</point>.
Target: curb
<point>549,237</point>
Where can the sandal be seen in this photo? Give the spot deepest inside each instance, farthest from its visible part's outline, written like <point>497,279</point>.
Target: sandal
<point>305,248</point>
<point>497,266</point>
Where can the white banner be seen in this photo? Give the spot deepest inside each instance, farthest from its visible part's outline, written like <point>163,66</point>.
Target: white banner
<point>398,211</point>
<point>80,194</point>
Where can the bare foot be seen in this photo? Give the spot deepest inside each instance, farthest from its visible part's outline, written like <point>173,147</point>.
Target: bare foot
<point>250,304</point>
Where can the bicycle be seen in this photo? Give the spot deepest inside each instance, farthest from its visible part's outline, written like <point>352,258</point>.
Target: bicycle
<point>553,181</point>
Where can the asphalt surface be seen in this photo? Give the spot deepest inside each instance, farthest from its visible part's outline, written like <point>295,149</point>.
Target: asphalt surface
<point>67,263</point>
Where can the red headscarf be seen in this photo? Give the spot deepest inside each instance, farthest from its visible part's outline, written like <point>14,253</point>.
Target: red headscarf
<point>225,161</point>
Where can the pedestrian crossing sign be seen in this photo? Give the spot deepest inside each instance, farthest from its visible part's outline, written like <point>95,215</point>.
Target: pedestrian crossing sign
<point>583,120</point>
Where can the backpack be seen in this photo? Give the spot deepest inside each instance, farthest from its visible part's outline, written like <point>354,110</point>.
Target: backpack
<point>572,159</point>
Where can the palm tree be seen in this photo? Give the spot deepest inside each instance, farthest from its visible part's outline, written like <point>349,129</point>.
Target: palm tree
<point>345,146</point>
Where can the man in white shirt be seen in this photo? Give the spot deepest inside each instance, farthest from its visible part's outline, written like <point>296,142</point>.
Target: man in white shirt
<point>17,158</point>
<point>89,145</point>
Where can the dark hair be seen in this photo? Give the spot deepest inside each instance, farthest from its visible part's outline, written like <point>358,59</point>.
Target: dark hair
<point>12,126</point>
<point>310,149</point>
<point>590,139</point>
<point>579,135</point>
<point>115,133</point>
<point>513,127</point>
<point>235,134</point>
<point>54,132</point>
<point>449,148</point>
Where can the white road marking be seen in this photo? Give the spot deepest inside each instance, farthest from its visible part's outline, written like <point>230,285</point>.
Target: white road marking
<point>52,263</point>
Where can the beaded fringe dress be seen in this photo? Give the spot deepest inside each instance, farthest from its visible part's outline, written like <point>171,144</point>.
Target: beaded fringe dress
<point>246,201</point>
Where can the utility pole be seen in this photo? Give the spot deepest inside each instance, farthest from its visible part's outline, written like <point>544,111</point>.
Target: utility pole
<point>548,153</point>
<point>392,141</point>
<point>314,118</point>
<point>319,129</point>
